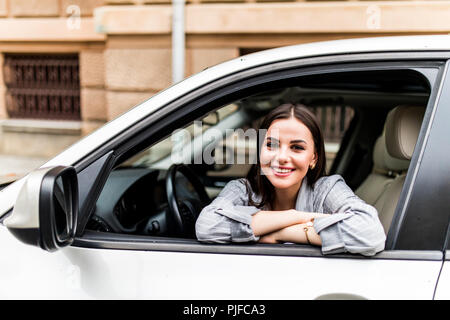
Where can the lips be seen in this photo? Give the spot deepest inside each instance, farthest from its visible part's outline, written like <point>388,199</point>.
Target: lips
<point>282,171</point>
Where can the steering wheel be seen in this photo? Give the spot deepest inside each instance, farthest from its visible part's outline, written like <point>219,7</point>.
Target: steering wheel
<point>185,204</point>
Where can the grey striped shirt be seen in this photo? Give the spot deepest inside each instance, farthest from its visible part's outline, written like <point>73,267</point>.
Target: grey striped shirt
<point>353,225</point>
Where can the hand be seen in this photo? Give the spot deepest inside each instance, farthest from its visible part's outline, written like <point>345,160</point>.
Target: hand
<point>268,238</point>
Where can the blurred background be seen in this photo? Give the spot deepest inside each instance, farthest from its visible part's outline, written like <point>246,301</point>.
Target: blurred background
<point>69,66</point>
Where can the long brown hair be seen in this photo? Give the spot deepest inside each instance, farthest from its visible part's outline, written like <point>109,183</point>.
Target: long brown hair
<point>258,182</point>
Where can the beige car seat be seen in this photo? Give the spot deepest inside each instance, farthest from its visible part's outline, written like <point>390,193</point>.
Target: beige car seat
<point>401,131</point>
<point>385,169</point>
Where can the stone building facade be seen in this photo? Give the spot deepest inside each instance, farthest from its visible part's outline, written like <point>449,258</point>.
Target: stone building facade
<point>122,50</point>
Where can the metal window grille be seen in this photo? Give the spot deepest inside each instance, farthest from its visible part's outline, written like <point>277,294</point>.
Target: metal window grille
<point>334,121</point>
<point>42,86</point>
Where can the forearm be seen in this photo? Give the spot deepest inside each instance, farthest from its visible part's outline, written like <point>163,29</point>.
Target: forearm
<point>265,222</point>
<point>298,234</point>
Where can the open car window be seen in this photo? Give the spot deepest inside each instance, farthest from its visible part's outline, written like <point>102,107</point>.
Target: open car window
<point>218,146</point>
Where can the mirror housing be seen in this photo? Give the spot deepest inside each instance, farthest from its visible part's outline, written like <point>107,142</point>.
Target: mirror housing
<point>46,209</point>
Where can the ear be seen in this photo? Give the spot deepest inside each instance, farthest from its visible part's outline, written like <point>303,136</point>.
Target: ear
<point>313,161</point>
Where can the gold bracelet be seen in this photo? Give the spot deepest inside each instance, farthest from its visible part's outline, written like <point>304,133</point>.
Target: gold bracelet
<point>306,229</point>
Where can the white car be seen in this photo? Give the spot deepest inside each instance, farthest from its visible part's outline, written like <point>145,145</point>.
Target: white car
<point>112,217</point>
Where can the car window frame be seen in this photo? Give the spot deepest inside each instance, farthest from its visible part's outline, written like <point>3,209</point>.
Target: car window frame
<point>375,60</point>
<point>408,222</point>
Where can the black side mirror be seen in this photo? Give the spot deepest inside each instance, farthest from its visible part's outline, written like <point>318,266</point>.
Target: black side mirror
<point>46,209</point>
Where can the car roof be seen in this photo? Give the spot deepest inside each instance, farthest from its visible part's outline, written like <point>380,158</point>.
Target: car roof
<point>99,137</point>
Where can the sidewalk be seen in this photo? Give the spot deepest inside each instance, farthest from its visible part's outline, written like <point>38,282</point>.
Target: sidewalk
<point>14,167</point>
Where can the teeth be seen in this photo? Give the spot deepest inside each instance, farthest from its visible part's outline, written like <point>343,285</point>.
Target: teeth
<point>282,170</point>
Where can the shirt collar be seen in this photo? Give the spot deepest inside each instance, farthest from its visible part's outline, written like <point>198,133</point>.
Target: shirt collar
<point>305,198</point>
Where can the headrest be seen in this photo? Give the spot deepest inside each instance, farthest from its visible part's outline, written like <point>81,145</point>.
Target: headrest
<point>383,162</point>
<point>402,129</point>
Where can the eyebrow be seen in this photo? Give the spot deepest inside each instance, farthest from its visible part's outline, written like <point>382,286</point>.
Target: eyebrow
<point>292,141</point>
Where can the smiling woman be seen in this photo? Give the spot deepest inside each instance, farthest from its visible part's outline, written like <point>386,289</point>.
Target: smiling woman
<point>293,148</point>
<point>287,198</point>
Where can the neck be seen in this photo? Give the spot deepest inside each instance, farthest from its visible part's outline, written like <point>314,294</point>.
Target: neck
<point>285,198</point>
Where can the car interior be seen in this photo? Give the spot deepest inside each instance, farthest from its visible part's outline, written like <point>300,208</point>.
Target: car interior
<point>370,119</point>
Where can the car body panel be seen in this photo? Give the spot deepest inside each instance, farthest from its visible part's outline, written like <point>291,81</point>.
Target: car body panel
<point>80,273</point>
<point>442,289</point>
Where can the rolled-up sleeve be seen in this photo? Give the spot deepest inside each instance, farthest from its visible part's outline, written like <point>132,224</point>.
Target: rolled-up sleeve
<point>353,225</point>
<point>227,218</point>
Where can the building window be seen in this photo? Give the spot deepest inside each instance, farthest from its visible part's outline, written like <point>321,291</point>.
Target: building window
<point>42,86</point>
<point>334,121</point>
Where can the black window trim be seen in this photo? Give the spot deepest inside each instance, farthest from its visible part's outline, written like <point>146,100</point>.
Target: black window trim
<point>333,65</point>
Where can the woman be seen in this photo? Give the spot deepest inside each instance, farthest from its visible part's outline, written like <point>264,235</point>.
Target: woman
<point>287,198</point>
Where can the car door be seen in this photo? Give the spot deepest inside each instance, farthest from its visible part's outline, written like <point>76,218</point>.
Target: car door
<point>442,288</point>
<point>100,265</point>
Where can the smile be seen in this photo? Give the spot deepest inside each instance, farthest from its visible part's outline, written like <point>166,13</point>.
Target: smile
<point>282,172</point>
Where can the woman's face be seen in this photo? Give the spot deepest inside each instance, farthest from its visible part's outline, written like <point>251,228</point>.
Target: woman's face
<point>287,153</point>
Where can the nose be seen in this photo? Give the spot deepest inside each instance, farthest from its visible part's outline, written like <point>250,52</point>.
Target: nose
<point>283,155</point>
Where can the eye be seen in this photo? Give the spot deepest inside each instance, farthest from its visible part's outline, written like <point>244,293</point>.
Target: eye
<point>297,147</point>
<point>270,144</point>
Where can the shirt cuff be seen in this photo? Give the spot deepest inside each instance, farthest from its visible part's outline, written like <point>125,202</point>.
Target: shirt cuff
<point>330,232</point>
<point>242,214</point>
<point>241,218</point>
<point>242,232</point>
<point>332,241</point>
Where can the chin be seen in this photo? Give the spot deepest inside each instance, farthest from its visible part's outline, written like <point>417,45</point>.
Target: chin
<point>283,185</point>
<point>280,184</point>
